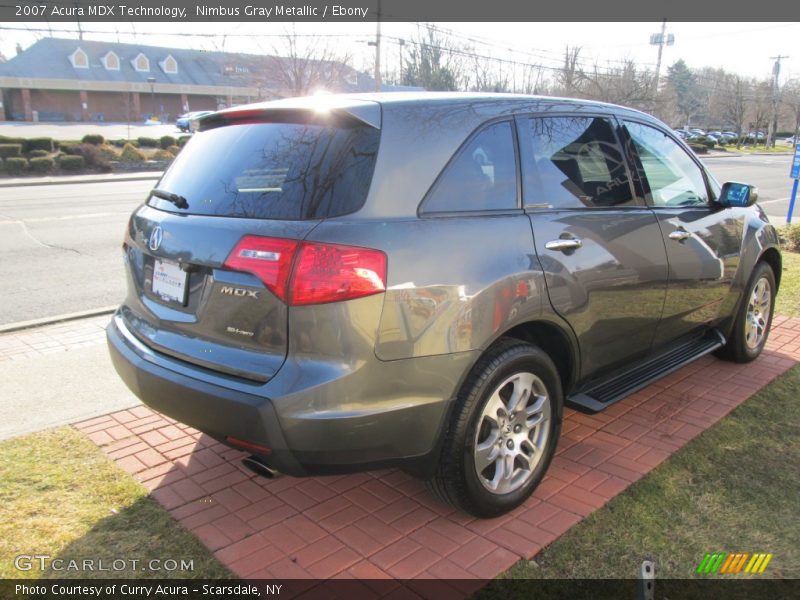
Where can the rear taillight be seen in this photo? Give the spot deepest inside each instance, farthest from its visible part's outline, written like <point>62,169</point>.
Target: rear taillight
<point>269,259</point>
<point>329,273</point>
<point>301,273</point>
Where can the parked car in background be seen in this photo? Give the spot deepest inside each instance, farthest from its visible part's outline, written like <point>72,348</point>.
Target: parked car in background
<point>790,140</point>
<point>424,281</point>
<point>184,122</point>
<point>755,136</point>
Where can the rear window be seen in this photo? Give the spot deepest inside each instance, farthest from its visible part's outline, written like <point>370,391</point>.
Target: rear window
<point>273,171</point>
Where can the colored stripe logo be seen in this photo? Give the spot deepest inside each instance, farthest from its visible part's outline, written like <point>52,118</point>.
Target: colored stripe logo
<point>724,563</point>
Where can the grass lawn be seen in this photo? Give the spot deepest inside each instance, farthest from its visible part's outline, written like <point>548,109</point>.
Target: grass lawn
<point>779,148</point>
<point>788,300</point>
<point>61,496</point>
<point>732,489</point>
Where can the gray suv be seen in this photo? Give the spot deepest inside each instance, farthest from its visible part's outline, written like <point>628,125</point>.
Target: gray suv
<point>424,281</point>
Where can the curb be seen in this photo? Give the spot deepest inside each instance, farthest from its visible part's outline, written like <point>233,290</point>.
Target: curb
<point>64,181</point>
<point>84,314</point>
<point>738,154</point>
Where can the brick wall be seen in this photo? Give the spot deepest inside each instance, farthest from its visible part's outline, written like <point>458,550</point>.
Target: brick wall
<point>58,105</point>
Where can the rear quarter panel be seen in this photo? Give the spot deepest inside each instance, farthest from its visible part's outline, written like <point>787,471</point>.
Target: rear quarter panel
<point>454,283</point>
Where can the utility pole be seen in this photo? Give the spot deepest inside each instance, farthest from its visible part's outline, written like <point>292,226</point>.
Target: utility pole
<point>152,82</point>
<point>660,40</point>
<point>401,43</point>
<point>80,31</point>
<point>378,51</point>
<point>773,126</point>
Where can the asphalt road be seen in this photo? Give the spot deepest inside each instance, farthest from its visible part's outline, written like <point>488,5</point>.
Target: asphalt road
<point>769,173</point>
<point>60,247</point>
<point>60,244</point>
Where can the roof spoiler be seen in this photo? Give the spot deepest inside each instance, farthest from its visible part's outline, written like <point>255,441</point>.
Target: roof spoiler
<point>297,109</point>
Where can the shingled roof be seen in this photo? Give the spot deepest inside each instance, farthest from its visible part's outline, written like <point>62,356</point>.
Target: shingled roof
<point>49,58</point>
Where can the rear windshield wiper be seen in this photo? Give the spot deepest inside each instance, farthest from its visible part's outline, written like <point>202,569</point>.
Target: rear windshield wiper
<point>176,199</point>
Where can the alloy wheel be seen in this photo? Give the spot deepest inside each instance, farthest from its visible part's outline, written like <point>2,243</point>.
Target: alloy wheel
<point>512,433</point>
<point>758,311</point>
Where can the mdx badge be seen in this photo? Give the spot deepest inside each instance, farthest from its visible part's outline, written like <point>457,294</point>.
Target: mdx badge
<point>241,292</point>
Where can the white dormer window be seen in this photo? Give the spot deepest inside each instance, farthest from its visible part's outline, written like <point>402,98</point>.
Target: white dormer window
<point>79,59</point>
<point>141,63</point>
<point>169,65</point>
<point>111,61</point>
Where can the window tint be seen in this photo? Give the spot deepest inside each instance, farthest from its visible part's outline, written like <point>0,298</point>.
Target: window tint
<point>573,162</point>
<point>482,177</point>
<point>274,171</point>
<point>672,178</point>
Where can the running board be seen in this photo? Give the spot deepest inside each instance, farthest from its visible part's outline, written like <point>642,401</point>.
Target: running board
<point>607,393</point>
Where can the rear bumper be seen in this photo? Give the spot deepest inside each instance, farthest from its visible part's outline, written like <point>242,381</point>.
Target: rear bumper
<point>306,414</point>
<point>213,409</point>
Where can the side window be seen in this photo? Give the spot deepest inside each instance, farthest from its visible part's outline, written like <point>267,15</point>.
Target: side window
<point>672,178</point>
<point>482,177</point>
<point>573,162</point>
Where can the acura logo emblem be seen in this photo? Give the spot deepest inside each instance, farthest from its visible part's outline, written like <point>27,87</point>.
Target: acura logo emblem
<point>155,238</point>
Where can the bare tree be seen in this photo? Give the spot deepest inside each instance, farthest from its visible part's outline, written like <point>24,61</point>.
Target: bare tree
<point>435,62</point>
<point>711,90</point>
<point>534,80</point>
<point>301,67</point>
<point>488,76</point>
<point>622,84</point>
<point>761,106</point>
<point>791,103</point>
<point>571,73</point>
<point>734,104</point>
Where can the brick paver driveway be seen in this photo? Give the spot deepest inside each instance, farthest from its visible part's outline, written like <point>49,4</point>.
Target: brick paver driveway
<point>384,524</point>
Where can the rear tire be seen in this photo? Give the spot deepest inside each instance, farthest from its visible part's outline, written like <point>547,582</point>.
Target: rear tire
<point>753,319</point>
<point>503,431</point>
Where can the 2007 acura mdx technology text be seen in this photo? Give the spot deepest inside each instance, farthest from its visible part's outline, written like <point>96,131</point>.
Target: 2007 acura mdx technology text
<point>424,281</point>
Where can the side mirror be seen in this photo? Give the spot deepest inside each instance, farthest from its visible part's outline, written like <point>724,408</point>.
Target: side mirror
<point>737,194</point>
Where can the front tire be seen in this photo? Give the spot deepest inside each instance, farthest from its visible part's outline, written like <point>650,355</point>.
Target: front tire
<point>754,318</point>
<point>503,431</point>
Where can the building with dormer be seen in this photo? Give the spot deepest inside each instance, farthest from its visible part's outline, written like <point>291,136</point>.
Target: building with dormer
<point>79,80</point>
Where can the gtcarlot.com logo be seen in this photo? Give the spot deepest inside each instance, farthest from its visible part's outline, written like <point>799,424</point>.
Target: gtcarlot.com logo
<point>44,562</point>
<point>725,563</point>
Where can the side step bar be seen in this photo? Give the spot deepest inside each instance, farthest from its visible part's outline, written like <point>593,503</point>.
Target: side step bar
<point>607,393</point>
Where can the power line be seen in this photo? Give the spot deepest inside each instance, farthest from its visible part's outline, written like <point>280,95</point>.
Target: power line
<point>536,53</point>
<point>172,34</point>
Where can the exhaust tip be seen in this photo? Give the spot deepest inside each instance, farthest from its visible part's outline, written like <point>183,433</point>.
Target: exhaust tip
<point>259,467</point>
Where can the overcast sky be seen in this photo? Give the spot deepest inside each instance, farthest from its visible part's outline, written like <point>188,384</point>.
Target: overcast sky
<point>745,48</point>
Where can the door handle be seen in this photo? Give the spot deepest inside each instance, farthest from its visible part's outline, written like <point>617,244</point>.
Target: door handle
<point>563,245</point>
<point>679,235</point>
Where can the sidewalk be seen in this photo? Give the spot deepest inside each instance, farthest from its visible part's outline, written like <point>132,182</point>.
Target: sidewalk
<point>733,153</point>
<point>57,374</point>
<point>67,179</point>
